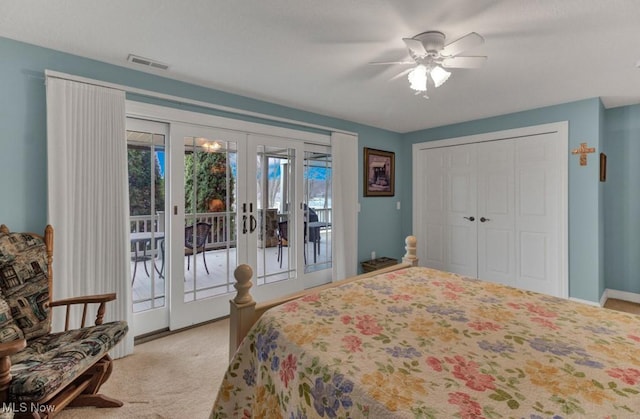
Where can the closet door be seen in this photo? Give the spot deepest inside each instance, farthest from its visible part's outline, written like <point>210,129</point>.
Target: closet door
<point>520,211</point>
<point>448,233</point>
<point>538,206</point>
<point>461,209</point>
<point>433,225</point>
<point>496,211</point>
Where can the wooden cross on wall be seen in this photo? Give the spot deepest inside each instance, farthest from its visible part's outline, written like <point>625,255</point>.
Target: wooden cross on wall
<point>583,150</point>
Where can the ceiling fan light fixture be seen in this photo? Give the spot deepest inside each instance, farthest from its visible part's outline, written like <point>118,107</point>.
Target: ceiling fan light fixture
<point>439,75</point>
<point>432,57</point>
<point>418,78</point>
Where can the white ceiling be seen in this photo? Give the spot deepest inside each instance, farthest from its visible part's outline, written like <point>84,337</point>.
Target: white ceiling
<point>314,55</point>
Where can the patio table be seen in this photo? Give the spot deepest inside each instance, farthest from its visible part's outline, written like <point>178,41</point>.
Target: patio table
<point>145,238</point>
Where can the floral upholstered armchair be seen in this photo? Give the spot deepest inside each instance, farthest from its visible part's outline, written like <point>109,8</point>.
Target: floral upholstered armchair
<point>42,372</point>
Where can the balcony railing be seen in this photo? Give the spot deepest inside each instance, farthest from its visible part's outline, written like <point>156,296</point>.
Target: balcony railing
<point>324,214</point>
<point>221,235</point>
<point>223,226</point>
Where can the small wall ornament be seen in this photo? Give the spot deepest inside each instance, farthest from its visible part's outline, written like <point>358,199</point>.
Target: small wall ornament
<point>583,150</point>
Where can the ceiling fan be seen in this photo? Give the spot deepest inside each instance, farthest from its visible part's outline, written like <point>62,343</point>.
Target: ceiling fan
<point>431,57</point>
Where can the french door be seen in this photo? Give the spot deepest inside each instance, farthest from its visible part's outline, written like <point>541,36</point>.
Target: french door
<point>204,247</point>
<point>146,154</point>
<point>215,198</point>
<point>274,211</point>
<point>238,198</point>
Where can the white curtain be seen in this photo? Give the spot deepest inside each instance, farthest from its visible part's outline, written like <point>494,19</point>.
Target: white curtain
<point>88,202</point>
<point>344,229</point>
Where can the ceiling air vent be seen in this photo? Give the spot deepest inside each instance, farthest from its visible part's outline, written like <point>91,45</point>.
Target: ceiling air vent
<point>147,62</point>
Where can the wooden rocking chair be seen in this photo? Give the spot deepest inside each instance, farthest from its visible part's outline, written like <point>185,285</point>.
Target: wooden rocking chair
<point>42,372</point>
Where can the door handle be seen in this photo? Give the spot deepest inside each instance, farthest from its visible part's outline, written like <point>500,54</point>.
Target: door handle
<point>482,219</point>
<point>252,223</point>
<point>472,218</point>
<point>244,224</point>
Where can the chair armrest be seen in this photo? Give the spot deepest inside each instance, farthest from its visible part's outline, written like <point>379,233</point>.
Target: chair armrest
<point>6,350</point>
<point>101,299</point>
<point>13,347</point>
<point>87,299</point>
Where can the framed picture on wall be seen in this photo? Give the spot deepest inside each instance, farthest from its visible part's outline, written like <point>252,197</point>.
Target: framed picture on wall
<point>603,167</point>
<point>379,172</point>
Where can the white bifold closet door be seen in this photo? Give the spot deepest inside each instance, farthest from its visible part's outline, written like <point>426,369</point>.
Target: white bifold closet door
<point>491,210</point>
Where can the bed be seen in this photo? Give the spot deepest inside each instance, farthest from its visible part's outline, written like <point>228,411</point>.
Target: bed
<point>417,342</point>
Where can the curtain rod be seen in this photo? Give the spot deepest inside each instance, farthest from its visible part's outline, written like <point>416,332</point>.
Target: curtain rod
<point>186,101</point>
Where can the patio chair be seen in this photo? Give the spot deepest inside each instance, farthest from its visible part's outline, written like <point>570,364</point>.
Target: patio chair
<point>283,239</point>
<point>314,232</point>
<point>201,231</point>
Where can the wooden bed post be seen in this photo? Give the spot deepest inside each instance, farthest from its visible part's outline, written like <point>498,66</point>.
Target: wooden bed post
<point>242,314</point>
<point>410,247</point>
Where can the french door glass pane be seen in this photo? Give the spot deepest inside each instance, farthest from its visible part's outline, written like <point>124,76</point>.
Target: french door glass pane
<point>276,231</point>
<point>210,255</point>
<point>317,190</point>
<point>146,164</point>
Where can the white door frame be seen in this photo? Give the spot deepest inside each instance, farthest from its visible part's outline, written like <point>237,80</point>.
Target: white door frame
<point>157,318</point>
<point>176,117</point>
<point>561,129</point>
<point>281,287</point>
<point>183,314</point>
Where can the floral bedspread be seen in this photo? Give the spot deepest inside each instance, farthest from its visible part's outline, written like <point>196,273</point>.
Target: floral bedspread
<point>421,343</point>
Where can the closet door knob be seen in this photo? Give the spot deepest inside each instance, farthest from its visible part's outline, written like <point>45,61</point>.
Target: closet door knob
<point>482,219</point>
<point>472,218</point>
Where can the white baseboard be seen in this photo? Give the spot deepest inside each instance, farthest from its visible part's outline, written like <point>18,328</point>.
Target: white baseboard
<point>618,295</point>
<point>579,300</point>
<point>604,298</point>
<point>621,295</point>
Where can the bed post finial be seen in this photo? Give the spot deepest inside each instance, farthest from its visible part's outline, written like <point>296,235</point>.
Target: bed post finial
<point>243,274</point>
<point>410,256</point>
<point>242,312</point>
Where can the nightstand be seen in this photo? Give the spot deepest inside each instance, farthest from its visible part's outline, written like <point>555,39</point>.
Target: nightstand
<point>379,263</point>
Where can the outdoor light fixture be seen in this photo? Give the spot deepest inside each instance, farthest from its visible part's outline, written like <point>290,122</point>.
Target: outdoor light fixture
<point>212,146</point>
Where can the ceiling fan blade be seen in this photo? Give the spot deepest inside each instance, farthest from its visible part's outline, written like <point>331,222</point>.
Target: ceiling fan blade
<point>400,74</point>
<point>391,62</point>
<point>468,41</point>
<point>415,46</point>
<point>464,62</point>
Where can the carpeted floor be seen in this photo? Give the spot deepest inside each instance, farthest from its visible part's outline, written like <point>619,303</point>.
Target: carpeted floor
<point>176,376</point>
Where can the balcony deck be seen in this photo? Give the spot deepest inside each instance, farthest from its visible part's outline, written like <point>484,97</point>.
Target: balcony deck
<point>221,264</point>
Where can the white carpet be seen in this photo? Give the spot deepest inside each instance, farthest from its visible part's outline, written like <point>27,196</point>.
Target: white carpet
<point>173,377</point>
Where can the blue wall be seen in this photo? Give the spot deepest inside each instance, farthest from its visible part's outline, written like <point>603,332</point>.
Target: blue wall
<point>23,171</point>
<point>585,248</point>
<point>604,222</point>
<point>622,199</point>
